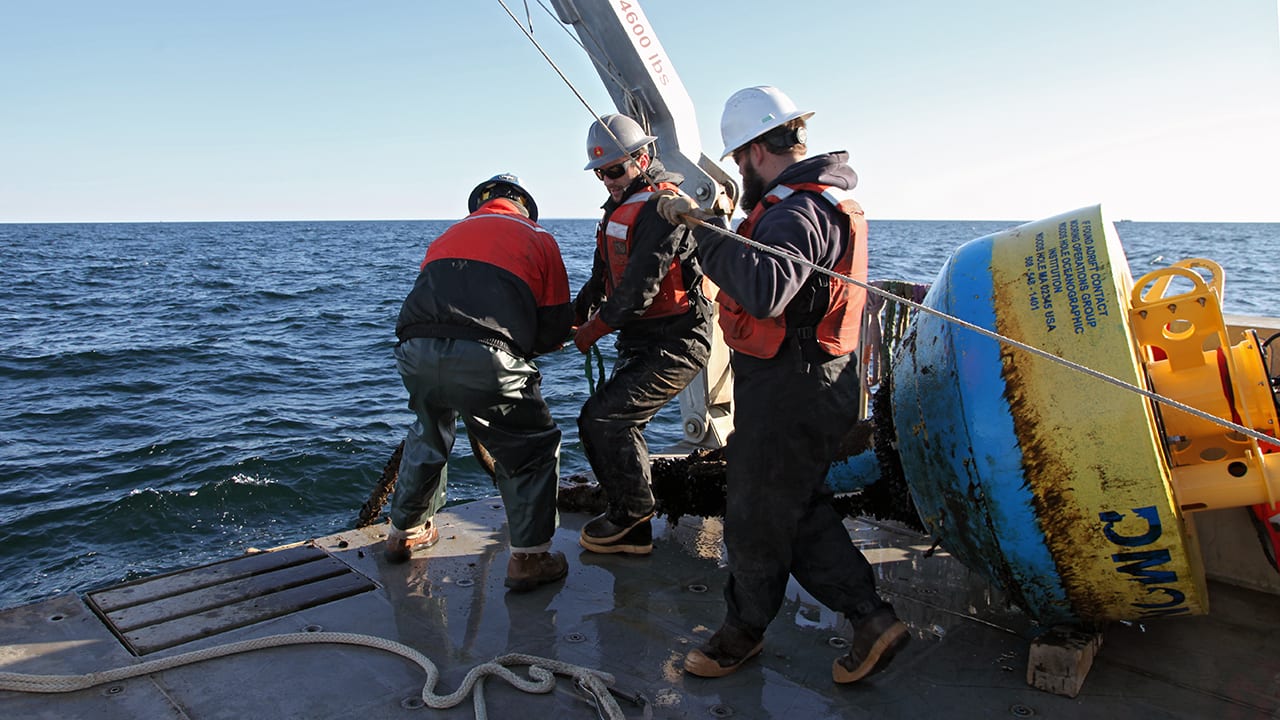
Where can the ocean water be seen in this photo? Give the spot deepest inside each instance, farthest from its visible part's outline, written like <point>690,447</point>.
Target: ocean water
<point>175,393</point>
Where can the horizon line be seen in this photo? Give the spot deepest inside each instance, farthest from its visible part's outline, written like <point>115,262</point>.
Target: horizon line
<point>590,219</point>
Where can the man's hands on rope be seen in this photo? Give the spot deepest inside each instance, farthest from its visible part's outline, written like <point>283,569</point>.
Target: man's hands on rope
<point>676,208</point>
<point>589,332</point>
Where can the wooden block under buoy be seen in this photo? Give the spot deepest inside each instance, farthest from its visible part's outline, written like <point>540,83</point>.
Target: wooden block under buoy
<point>1060,659</point>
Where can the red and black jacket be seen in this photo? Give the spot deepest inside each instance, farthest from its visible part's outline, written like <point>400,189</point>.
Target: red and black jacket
<point>495,277</point>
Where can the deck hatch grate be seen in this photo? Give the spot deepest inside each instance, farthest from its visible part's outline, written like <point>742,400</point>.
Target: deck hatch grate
<point>164,611</point>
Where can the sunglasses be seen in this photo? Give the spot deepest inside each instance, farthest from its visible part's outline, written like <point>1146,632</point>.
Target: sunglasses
<point>613,172</point>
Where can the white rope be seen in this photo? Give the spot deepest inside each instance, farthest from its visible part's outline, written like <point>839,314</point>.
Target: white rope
<point>541,680</point>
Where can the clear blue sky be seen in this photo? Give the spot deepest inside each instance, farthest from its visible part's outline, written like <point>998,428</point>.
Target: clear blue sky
<point>315,109</point>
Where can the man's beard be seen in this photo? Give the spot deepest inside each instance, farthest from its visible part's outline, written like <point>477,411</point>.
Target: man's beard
<point>752,187</point>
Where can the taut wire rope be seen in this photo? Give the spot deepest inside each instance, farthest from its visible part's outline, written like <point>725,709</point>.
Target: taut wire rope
<point>777,252</point>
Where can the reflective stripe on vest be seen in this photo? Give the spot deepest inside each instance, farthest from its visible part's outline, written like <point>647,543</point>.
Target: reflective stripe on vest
<point>614,242</point>
<point>837,332</point>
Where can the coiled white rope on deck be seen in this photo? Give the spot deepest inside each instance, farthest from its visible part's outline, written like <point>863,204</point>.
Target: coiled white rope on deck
<point>541,680</point>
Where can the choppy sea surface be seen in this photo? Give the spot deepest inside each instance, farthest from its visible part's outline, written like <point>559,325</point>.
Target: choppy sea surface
<point>174,393</point>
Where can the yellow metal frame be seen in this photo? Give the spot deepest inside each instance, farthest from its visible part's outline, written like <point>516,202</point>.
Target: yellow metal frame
<point>1212,465</point>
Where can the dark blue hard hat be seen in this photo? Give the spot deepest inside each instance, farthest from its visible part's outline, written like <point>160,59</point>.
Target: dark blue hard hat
<point>503,185</point>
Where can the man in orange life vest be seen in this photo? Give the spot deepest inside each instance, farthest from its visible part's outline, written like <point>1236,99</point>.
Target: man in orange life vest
<point>646,284</point>
<point>491,293</point>
<point>794,334</point>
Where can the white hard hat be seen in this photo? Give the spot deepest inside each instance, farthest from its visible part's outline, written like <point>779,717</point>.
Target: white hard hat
<point>604,136</point>
<point>754,111</point>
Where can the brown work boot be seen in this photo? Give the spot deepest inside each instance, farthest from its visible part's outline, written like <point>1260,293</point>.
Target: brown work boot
<point>723,654</point>
<point>876,639</point>
<point>526,571</point>
<point>398,549</point>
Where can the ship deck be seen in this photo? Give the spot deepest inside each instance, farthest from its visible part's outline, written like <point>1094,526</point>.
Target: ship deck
<point>632,617</point>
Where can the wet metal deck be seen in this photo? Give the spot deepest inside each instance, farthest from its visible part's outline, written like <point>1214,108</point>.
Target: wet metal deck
<point>635,618</point>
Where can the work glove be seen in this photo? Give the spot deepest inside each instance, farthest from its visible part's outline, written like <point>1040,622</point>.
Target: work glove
<point>677,209</point>
<point>589,332</point>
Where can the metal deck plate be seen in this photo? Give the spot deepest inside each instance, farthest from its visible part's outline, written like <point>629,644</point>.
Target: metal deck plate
<point>168,610</point>
<point>635,617</point>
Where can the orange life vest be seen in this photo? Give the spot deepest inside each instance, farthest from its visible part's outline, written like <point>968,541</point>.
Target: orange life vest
<point>837,332</point>
<point>614,240</point>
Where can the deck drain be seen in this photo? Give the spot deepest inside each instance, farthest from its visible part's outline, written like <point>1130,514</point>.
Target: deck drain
<point>838,643</point>
<point>1022,711</point>
<point>697,588</point>
<point>720,711</point>
<point>412,703</point>
<point>466,583</point>
<point>575,637</point>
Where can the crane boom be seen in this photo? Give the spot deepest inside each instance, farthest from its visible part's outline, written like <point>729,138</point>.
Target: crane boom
<point>643,83</point>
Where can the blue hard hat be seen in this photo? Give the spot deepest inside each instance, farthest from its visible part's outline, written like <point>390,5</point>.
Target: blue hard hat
<point>503,185</point>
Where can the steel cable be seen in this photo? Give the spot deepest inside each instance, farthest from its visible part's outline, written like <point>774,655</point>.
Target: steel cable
<point>1154,397</point>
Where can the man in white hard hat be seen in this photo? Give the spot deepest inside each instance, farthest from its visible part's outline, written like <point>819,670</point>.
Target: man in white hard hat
<point>491,294</point>
<point>645,283</point>
<point>794,333</point>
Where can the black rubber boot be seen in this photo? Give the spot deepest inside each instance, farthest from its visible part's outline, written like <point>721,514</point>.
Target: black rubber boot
<point>723,654</point>
<point>876,640</point>
<point>603,535</point>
